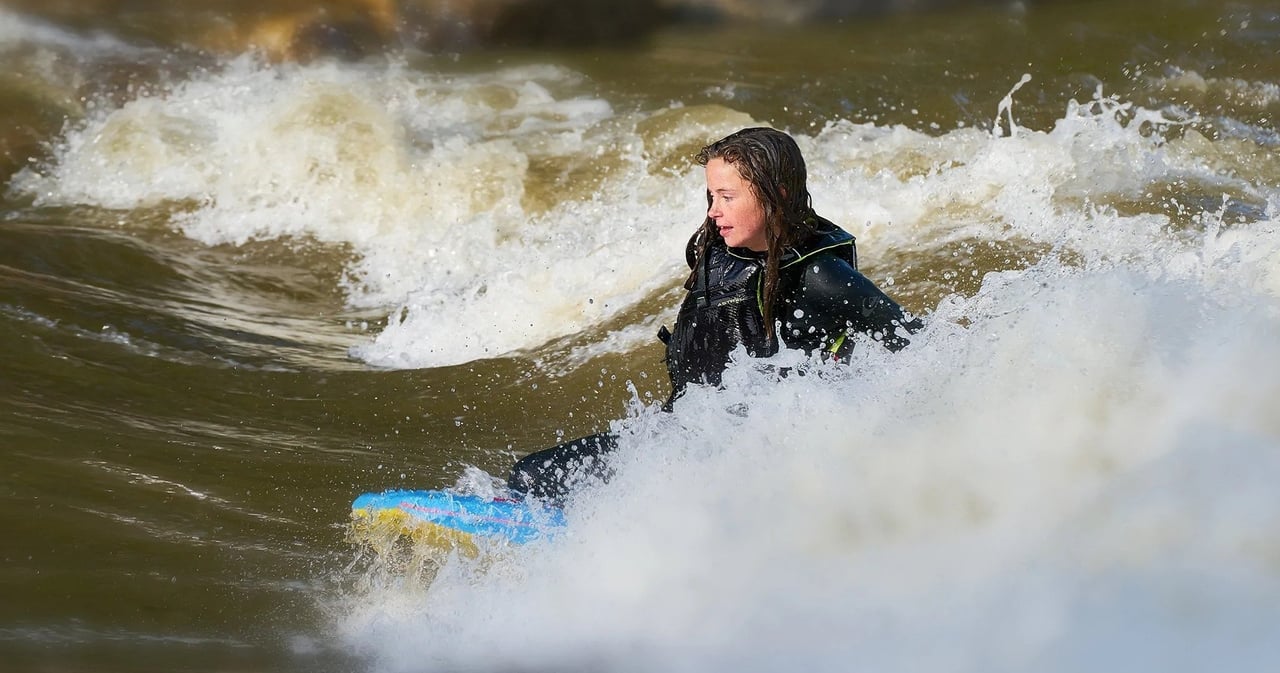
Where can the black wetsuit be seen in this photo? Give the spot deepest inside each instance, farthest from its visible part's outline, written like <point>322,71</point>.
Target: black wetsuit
<point>822,299</point>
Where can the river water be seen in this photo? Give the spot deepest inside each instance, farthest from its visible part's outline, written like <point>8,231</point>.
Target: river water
<point>236,294</point>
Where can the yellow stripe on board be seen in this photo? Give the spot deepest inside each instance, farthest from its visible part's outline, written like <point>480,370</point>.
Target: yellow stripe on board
<point>385,525</point>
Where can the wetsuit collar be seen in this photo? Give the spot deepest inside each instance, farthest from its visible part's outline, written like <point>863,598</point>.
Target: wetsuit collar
<point>826,237</point>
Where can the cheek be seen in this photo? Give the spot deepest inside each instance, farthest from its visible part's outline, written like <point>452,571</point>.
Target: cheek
<point>747,214</point>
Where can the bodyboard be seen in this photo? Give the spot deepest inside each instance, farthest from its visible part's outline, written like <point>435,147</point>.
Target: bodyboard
<point>443,518</point>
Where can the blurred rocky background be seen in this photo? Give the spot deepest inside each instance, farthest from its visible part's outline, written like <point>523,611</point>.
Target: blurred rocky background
<point>304,29</point>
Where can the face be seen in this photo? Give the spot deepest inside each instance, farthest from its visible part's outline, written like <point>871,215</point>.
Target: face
<point>735,208</point>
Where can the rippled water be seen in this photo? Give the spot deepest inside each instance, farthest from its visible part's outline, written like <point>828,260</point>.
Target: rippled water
<point>235,294</point>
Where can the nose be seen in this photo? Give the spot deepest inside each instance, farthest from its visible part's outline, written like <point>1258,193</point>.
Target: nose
<point>713,210</point>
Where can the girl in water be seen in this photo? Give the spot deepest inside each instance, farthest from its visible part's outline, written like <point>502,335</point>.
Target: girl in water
<point>766,272</point>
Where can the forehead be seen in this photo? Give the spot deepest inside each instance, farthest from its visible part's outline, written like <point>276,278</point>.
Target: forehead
<point>723,175</point>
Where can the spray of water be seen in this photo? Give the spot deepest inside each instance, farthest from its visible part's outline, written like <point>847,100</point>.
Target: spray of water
<point>1069,469</point>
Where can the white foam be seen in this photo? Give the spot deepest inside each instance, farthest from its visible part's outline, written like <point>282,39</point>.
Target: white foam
<point>1078,476</point>
<point>497,212</point>
<point>426,178</point>
<point>1069,470</point>
<point>903,186</point>
<point>1239,92</point>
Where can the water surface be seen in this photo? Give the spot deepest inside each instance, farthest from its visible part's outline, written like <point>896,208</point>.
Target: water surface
<point>235,294</point>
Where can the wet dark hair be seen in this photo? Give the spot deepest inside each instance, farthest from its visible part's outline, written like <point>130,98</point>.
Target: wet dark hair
<point>770,161</point>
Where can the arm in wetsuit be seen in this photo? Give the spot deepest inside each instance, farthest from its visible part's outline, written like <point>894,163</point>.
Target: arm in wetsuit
<point>834,300</point>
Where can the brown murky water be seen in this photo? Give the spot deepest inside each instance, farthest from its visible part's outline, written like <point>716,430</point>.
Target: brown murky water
<point>236,294</point>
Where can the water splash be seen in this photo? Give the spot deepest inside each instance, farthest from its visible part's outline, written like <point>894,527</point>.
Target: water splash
<point>1006,109</point>
<point>502,212</point>
<point>1067,452</point>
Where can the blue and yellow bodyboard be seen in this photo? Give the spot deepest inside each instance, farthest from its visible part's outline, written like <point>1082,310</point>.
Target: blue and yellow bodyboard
<point>443,518</point>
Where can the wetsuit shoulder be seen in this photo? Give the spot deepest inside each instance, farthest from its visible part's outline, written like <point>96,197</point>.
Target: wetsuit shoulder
<point>833,299</point>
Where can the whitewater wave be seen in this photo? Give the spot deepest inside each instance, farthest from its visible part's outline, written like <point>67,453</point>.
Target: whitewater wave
<point>496,213</point>
<point>1069,470</point>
